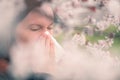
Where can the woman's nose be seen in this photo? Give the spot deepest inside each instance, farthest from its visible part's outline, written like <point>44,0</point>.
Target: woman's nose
<point>45,32</point>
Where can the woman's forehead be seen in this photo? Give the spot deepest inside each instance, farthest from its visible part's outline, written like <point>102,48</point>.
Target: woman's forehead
<point>44,10</point>
<point>36,18</point>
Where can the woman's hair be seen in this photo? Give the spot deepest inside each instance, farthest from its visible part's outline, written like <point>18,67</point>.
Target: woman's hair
<point>30,5</point>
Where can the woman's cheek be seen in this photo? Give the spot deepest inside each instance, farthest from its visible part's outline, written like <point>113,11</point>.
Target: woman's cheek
<point>23,38</point>
<point>26,36</point>
<point>32,37</point>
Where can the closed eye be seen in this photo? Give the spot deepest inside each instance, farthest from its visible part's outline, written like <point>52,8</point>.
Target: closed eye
<point>50,28</point>
<point>84,0</point>
<point>35,27</point>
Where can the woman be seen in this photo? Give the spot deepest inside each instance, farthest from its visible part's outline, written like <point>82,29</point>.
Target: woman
<point>34,50</point>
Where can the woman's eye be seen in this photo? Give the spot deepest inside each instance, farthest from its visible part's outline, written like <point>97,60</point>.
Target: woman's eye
<point>50,28</point>
<point>35,27</point>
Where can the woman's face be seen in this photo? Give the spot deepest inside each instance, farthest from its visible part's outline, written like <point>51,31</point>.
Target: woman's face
<point>32,27</point>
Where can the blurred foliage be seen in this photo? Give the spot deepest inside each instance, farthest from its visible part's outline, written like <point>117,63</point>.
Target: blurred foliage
<point>60,37</point>
<point>110,32</point>
<point>110,29</point>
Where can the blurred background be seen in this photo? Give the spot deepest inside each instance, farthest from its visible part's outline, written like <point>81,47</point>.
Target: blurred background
<point>93,23</point>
